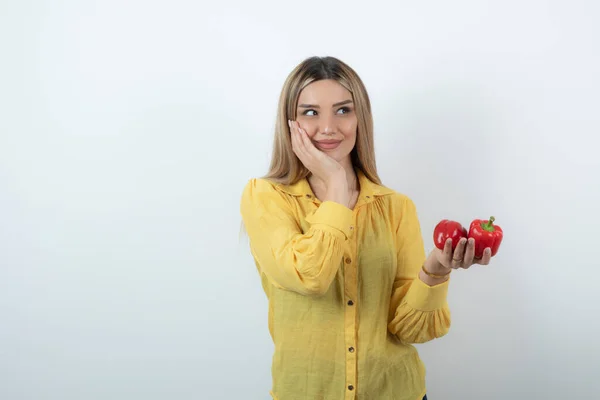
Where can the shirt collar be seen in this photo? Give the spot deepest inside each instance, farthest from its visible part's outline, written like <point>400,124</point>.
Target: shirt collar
<point>369,190</point>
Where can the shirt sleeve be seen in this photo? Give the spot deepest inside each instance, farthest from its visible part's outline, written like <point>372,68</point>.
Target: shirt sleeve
<point>418,312</point>
<point>304,262</point>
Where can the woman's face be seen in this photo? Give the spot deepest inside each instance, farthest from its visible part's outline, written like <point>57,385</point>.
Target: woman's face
<point>326,112</point>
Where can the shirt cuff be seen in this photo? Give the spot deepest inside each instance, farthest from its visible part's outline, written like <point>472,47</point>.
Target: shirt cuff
<point>423,297</point>
<point>332,216</point>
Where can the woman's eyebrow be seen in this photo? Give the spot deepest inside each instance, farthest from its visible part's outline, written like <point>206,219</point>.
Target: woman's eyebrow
<point>341,103</point>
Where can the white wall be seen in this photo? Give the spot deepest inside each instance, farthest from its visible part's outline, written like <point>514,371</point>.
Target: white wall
<point>128,129</point>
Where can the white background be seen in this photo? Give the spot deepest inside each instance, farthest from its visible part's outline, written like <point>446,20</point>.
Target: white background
<point>129,128</point>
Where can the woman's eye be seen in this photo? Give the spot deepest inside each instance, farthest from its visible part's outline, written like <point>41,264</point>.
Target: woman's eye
<point>341,111</point>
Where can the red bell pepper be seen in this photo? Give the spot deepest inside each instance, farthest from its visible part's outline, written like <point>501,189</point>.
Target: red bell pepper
<point>486,234</point>
<point>448,229</point>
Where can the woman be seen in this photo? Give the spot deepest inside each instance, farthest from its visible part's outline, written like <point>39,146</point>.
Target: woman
<point>341,256</point>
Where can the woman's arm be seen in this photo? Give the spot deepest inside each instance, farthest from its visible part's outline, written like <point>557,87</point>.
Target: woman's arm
<point>419,311</point>
<point>302,262</point>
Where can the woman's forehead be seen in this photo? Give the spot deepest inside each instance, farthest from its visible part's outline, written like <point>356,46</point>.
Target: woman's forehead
<point>324,92</point>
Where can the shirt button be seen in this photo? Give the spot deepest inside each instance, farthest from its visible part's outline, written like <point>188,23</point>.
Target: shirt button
<point>350,303</point>
<point>348,260</point>
<point>350,387</point>
<point>351,349</point>
<point>351,227</point>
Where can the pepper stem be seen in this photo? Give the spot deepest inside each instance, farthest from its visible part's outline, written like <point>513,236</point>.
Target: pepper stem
<point>489,226</point>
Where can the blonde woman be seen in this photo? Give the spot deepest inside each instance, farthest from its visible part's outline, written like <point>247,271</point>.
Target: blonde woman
<point>341,256</point>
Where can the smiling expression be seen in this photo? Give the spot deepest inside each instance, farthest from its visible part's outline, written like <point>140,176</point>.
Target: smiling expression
<point>326,112</point>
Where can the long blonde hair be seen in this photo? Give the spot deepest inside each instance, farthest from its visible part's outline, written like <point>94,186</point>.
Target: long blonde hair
<point>285,167</point>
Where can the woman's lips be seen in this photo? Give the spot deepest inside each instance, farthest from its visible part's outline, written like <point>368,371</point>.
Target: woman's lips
<point>328,144</point>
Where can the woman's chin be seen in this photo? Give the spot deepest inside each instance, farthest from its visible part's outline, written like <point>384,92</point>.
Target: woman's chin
<point>338,156</point>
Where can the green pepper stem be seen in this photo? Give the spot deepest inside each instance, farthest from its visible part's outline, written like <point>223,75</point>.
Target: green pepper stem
<point>489,226</point>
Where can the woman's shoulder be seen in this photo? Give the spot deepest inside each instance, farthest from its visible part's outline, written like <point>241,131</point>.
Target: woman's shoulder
<point>260,189</point>
<point>395,197</point>
<point>260,184</point>
<point>402,198</point>
<point>263,196</point>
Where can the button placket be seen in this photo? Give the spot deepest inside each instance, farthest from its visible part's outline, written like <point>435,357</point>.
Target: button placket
<point>351,288</point>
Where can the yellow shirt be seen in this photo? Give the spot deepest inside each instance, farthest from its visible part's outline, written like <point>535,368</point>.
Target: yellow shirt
<point>345,300</point>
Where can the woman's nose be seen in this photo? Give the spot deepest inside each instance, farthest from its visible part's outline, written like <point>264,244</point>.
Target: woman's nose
<point>327,125</point>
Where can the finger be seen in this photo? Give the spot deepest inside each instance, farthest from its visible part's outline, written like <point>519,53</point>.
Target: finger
<point>470,253</point>
<point>310,155</point>
<point>487,256</point>
<point>458,256</point>
<point>292,136</point>
<point>309,147</point>
<point>295,127</point>
<point>310,158</point>
<point>298,145</point>
<point>447,252</point>
<point>314,156</point>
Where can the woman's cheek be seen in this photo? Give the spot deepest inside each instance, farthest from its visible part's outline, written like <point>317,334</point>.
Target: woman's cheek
<point>350,128</point>
<point>309,128</point>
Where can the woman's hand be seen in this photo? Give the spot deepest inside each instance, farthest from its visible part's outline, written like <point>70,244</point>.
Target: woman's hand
<point>320,164</point>
<point>441,262</point>
<point>463,255</point>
